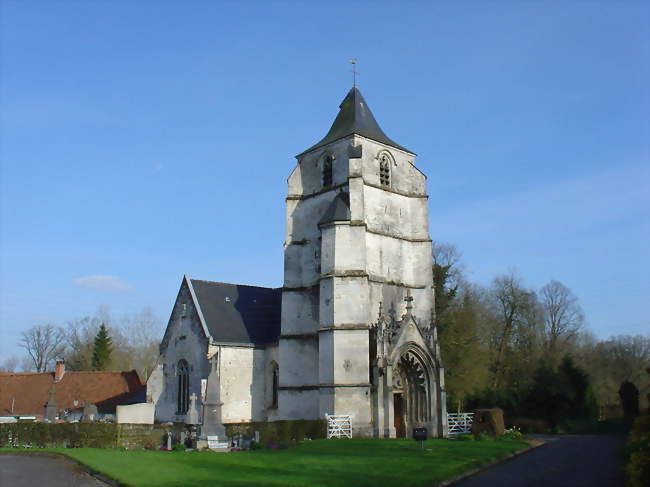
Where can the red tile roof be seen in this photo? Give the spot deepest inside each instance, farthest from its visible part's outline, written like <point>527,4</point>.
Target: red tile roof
<point>30,391</point>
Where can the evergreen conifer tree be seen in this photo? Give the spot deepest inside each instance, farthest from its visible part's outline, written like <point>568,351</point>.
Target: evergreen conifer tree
<point>102,350</point>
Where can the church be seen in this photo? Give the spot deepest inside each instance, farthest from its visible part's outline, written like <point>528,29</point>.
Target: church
<point>351,330</point>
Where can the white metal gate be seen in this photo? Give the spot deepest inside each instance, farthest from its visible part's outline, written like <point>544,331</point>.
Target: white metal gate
<point>339,426</point>
<point>459,423</point>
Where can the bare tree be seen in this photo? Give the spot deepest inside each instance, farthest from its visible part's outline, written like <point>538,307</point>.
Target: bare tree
<point>628,356</point>
<point>563,316</point>
<point>511,307</point>
<point>9,364</point>
<point>44,343</point>
<point>135,339</point>
<point>80,334</point>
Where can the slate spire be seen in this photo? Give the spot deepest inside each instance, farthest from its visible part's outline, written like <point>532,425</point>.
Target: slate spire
<point>355,117</point>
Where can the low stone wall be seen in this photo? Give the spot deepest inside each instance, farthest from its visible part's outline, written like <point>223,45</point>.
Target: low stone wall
<point>279,431</point>
<point>93,435</point>
<point>141,413</point>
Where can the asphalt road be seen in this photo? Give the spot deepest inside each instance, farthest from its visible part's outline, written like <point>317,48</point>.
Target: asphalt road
<point>38,470</point>
<point>571,460</point>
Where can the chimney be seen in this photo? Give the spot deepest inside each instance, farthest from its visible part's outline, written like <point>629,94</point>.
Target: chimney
<point>59,370</point>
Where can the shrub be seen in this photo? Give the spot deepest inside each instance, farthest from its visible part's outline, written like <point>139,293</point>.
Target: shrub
<point>279,431</point>
<point>530,425</point>
<point>638,447</point>
<point>513,434</point>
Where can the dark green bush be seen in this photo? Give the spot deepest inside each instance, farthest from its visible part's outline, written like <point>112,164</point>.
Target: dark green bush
<point>529,425</point>
<point>553,396</point>
<point>77,435</point>
<point>280,431</point>
<point>637,468</point>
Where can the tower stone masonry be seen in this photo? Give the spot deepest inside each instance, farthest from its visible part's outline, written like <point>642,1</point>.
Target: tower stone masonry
<point>357,334</point>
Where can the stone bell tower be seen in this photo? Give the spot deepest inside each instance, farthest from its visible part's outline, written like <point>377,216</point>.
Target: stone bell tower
<point>357,244</point>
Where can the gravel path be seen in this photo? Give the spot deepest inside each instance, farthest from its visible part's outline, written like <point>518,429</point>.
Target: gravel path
<point>40,470</point>
<point>571,460</point>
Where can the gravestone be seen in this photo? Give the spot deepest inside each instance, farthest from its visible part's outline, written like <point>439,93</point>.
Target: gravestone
<point>212,425</point>
<point>50,406</point>
<point>192,417</point>
<point>90,413</point>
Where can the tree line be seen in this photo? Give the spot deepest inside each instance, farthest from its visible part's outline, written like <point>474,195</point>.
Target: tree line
<point>520,348</point>
<point>98,342</point>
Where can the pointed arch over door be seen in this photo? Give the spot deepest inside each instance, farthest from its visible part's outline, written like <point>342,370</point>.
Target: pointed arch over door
<point>414,380</point>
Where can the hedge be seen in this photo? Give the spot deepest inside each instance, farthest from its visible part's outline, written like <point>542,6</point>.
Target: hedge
<point>136,436</point>
<point>638,450</point>
<point>279,431</point>
<point>76,435</point>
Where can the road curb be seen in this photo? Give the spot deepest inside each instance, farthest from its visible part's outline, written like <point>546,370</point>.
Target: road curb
<point>487,466</point>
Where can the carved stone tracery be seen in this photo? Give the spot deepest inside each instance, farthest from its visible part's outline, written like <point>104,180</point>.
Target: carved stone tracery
<point>409,371</point>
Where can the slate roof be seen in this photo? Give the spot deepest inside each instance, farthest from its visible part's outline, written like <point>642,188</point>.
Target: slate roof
<point>29,391</point>
<point>338,210</point>
<point>235,313</point>
<point>355,117</point>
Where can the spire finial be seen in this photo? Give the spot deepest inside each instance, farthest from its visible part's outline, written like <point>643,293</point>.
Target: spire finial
<point>353,62</point>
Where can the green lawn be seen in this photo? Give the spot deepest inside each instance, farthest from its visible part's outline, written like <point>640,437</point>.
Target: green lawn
<point>358,462</point>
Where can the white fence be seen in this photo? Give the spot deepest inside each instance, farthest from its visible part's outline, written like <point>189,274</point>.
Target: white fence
<point>459,423</point>
<point>339,426</point>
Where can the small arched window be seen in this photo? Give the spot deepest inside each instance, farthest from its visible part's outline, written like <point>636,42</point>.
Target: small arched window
<point>275,384</point>
<point>384,170</point>
<point>327,171</point>
<point>183,387</point>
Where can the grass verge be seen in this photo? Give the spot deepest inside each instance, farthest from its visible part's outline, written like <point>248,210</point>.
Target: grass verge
<point>359,462</point>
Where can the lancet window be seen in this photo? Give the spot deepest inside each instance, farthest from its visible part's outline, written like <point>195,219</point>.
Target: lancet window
<point>275,385</point>
<point>183,386</point>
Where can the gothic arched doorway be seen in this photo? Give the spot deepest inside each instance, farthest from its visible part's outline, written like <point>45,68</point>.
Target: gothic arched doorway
<point>411,393</point>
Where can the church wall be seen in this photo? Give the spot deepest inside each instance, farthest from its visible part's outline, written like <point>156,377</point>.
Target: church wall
<point>300,311</point>
<point>395,214</point>
<point>342,248</point>
<point>405,177</point>
<point>399,261</point>
<point>299,361</point>
<point>299,404</point>
<point>307,178</point>
<point>243,385</point>
<point>350,357</point>
<point>184,340</point>
<point>271,358</point>
<point>392,299</point>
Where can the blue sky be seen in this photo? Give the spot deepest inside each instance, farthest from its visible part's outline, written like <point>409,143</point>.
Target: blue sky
<point>143,140</point>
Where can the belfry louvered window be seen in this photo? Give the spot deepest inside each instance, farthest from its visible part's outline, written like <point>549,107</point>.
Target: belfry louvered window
<point>327,171</point>
<point>384,170</point>
<point>183,387</point>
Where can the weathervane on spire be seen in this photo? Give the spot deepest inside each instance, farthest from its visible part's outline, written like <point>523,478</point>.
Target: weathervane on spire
<point>353,62</point>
